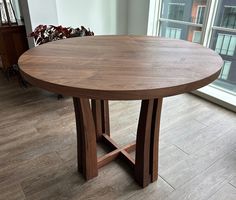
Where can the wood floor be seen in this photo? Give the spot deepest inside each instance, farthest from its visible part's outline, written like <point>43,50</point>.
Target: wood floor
<point>38,150</point>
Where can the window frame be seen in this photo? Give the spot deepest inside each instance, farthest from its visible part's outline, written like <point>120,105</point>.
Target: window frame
<point>198,8</point>
<point>194,35</point>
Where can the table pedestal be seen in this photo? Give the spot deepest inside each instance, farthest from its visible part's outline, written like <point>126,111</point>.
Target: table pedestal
<point>92,122</point>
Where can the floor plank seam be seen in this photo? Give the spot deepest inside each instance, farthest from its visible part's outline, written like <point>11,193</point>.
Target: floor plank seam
<point>201,123</point>
<point>221,157</point>
<point>199,167</point>
<point>232,185</point>
<point>220,187</point>
<point>167,182</point>
<point>202,171</point>
<point>216,138</point>
<point>181,149</point>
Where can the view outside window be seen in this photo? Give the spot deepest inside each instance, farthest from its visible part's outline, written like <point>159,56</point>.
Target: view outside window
<point>183,19</point>
<point>200,13</point>
<point>173,32</point>
<point>176,11</point>
<point>229,17</point>
<point>223,41</point>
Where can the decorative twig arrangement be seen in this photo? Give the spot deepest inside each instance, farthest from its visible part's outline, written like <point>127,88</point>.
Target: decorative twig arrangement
<point>43,33</point>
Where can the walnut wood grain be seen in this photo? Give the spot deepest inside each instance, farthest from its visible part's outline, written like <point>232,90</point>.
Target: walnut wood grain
<point>37,151</point>
<point>120,67</point>
<point>13,42</point>
<point>79,129</point>
<point>86,137</point>
<point>146,157</point>
<point>116,152</point>
<point>100,109</point>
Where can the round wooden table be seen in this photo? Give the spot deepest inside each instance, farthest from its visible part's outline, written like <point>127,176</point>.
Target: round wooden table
<point>103,68</point>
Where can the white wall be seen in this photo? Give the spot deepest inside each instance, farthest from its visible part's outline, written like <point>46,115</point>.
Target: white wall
<point>138,11</point>
<point>106,16</point>
<point>121,17</point>
<point>101,16</point>
<point>43,13</point>
<point>36,13</point>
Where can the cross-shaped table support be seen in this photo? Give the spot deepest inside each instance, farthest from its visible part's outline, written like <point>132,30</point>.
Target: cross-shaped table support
<point>92,122</point>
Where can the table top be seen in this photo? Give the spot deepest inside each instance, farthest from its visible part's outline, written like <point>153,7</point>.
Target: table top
<point>120,67</point>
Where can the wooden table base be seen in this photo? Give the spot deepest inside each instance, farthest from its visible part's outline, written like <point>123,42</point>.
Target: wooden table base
<point>92,122</point>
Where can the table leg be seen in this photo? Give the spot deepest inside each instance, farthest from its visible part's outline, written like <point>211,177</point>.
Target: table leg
<point>146,158</point>
<point>100,109</point>
<point>92,123</point>
<point>86,138</point>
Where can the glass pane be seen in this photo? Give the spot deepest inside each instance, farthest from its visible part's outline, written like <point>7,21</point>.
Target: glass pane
<point>226,14</point>
<point>232,46</point>
<point>219,43</point>
<point>176,11</point>
<point>228,20</point>
<point>180,31</point>
<point>178,34</point>
<point>200,14</point>
<point>184,10</point>
<point>197,36</point>
<point>225,70</point>
<point>223,41</point>
<point>225,45</point>
<point>190,11</point>
<point>173,33</point>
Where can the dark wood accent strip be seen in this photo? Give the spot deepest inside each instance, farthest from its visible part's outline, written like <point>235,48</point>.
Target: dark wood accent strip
<point>155,139</point>
<point>87,151</point>
<point>79,129</point>
<point>146,157</point>
<point>100,110</point>
<point>106,119</point>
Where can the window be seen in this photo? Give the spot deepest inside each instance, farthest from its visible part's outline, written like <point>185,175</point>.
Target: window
<point>197,36</point>
<point>176,11</point>
<point>211,23</point>
<point>200,14</point>
<point>223,41</point>
<point>225,44</point>
<point>174,33</point>
<point>184,15</point>
<point>229,17</point>
<point>225,70</point>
